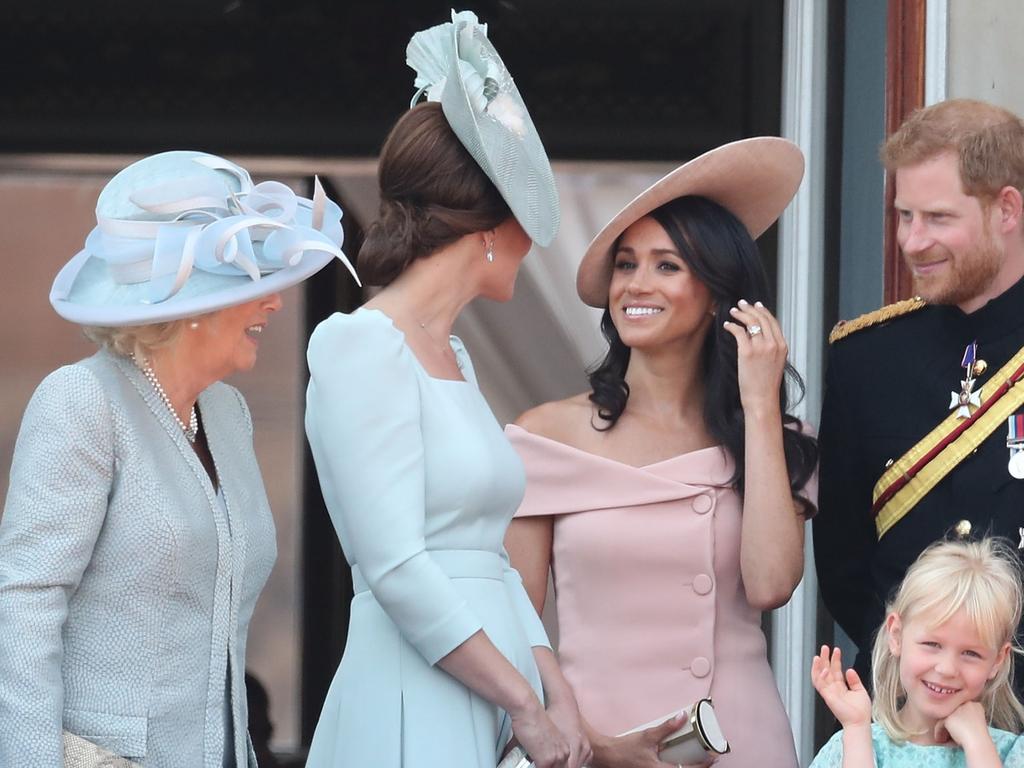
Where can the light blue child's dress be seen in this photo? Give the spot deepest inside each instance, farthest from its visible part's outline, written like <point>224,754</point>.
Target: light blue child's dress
<point>889,754</point>
<point>420,483</point>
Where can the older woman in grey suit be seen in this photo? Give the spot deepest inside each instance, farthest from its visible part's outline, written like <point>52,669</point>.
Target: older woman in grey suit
<point>137,535</point>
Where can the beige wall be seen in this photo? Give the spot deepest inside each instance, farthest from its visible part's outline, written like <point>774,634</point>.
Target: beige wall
<point>986,51</point>
<point>42,226</point>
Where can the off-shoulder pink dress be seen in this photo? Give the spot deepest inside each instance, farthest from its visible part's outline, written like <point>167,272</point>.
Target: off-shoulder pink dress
<point>652,614</point>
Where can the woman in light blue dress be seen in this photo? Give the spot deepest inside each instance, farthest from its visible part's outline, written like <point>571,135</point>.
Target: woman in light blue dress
<point>446,658</point>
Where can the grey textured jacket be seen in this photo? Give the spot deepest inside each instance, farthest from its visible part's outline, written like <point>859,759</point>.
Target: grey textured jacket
<point>125,592</point>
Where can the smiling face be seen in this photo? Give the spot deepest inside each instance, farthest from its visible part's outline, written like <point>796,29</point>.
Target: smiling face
<point>947,237</point>
<point>227,341</point>
<point>654,297</point>
<point>941,667</point>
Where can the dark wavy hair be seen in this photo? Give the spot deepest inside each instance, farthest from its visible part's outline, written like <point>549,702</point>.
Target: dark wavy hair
<point>721,253</point>
<point>432,192</point>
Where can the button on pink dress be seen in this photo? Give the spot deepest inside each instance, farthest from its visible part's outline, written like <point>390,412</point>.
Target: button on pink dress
<point>652,614</point>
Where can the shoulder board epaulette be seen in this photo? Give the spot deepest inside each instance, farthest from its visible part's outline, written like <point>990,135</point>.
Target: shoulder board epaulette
<point>844,328</point>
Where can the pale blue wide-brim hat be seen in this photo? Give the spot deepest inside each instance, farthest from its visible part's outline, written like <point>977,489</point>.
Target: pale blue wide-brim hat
<point>456,65</point>
<point>185,233</point>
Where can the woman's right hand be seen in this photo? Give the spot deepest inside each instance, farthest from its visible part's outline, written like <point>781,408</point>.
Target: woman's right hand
<point>845,696</point>
<point>635,750</point>
<point>537,733</point>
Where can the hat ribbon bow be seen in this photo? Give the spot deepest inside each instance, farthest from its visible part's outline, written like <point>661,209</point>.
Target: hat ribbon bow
<point>216,232</point>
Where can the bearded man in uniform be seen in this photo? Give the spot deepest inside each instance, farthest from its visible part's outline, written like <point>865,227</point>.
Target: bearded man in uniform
<point>919,430</point>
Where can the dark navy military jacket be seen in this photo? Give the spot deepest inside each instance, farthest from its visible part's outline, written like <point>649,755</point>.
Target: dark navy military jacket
<point>887,386</point>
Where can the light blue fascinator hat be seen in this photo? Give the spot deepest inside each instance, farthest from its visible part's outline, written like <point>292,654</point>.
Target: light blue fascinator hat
<point>180,234</point>
<point>456,65</point>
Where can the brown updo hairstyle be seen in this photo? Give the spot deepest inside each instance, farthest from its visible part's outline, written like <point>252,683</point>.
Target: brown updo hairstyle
<point>432,192</point>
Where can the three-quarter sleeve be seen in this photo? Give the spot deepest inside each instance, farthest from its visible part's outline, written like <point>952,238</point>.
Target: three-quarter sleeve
<point>60,480</point>
<point>363,423</point>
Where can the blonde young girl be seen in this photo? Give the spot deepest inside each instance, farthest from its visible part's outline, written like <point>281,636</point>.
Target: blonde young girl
<point>942,668</point>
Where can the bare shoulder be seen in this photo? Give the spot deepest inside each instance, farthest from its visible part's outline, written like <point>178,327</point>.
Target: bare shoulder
<point>566,421</point>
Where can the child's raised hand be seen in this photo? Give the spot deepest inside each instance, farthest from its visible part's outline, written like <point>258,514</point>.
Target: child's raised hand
<point>844,695</point>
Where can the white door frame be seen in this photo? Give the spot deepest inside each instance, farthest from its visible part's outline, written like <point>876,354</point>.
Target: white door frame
<point>936,45</point>
<point>801,299</point>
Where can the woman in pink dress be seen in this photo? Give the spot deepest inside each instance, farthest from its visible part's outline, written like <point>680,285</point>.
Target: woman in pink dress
<point>670,500</point>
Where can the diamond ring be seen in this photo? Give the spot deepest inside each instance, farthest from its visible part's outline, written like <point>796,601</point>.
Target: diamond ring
<point>753,330</point>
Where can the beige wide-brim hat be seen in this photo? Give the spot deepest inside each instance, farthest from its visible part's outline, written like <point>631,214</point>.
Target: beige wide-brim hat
<point>754,179</point>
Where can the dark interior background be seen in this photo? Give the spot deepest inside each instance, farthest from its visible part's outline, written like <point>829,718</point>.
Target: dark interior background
<point>604,80</point>
<point>648,79</point>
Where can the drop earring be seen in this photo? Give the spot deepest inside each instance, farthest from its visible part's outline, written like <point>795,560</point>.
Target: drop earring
<point>489,255</point>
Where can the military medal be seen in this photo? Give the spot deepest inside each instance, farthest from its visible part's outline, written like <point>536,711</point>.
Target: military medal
<point>967,398</point>
<point>1015,442</point>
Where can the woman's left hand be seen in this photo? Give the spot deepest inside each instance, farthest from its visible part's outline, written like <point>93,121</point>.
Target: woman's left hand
<point>562,708</point>
<point>565,714</point>
<point>761,355</point>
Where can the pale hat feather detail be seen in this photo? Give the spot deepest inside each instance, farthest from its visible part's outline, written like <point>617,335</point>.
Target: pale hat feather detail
<point>457,65</point>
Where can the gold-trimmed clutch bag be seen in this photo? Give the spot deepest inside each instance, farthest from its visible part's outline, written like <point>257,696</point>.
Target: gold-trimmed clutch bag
<point>697,741</point>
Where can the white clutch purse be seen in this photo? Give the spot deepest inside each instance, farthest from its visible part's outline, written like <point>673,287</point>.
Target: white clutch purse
<point>697,741</point>
<point>516,758</point>
<point>82,753</point>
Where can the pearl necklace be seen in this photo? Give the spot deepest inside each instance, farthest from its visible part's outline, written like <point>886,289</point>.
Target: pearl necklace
<point>191,429</point>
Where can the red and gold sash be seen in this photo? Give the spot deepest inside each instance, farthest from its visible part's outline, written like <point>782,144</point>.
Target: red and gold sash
<point>920,469</point>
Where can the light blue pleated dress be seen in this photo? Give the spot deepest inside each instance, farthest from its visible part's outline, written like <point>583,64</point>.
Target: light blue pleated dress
<point>420,484</point>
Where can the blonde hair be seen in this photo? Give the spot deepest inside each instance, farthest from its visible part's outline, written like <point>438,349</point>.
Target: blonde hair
<point>137,340</point>
<point>983,579</point>
<point>987,140</point>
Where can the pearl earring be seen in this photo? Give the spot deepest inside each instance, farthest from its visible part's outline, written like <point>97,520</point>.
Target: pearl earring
<point>194,325</point>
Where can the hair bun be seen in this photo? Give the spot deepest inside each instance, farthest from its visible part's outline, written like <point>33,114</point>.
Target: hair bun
<point>432,193</point>
<point>392,241</point>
